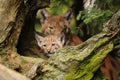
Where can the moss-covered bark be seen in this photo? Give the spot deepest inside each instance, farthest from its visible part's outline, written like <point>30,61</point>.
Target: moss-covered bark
<point>86,68</point>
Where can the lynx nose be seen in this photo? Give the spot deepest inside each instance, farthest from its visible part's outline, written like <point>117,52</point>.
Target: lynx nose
<point>49,52</point>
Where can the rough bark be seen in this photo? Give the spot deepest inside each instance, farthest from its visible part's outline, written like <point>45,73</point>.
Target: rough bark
<point>7,74</point>
<point>14,14</point>
<point>8,12</point>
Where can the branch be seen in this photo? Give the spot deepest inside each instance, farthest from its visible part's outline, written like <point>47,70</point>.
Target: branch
<point>7,74</point>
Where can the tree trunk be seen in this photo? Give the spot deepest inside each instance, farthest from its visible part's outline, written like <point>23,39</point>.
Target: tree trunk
<point>17,19</point>
<point>69,63</point>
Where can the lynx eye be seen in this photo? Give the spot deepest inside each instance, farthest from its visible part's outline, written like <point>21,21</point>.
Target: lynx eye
<point>44,45</point>
<point>53,44</point>
<point>50,27</point>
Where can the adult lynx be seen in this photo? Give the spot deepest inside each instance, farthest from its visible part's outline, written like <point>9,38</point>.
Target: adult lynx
<point>55,24</point>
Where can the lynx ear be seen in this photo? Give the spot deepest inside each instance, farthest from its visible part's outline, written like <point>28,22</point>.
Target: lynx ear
<point>61,38</point>
<point>44,15</point>
<point>68,15</point>
<point>38,38</point>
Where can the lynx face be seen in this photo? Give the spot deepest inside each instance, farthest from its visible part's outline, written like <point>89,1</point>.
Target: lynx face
<point>55,25</point>
<point>49,44</point>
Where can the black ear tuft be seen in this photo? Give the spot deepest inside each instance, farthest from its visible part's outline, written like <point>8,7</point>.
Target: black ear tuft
<point>68,14</point>
<point>44,15</point>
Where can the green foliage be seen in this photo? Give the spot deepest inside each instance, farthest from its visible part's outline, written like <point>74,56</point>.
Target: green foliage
<point>94,14</point>
<point>93,20</point>
<point>112,5</point>
<point>58,7</point>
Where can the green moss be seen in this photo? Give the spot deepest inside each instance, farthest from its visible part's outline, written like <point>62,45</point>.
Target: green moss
<point>86,68</point>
